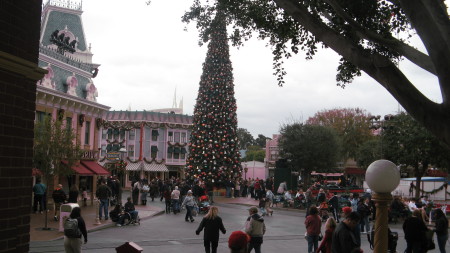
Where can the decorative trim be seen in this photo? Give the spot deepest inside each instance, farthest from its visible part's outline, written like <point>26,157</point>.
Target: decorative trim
<point>20,66</point>
<point>115,142</point>
<point>176,144</point>
<point>131,161</point>
<point>154,160</point>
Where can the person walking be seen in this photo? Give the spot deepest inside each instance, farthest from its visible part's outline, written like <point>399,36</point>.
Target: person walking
<point>212,223</point>
<point>72,241</point>
<point>364,212</point>
<point>175,197</point>
<point>190,204</point>
<point>415,233</point>
<point>59,197</point>
<point>334,202</point>
<point>144,192</point>
<point>103,194</point>
<point>325,246</point>
<point>343,239</point>
<point>441,229</point>
<point>73,194</point>
<point>256,229</point>
<point>39,196</point>
<point>238,242</point>
<point>313,224</point>
<point>135,191</point>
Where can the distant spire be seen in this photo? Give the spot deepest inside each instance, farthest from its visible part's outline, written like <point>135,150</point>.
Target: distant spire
<point>129,107</point>
<point>181,104</point>
<point>174,105</point>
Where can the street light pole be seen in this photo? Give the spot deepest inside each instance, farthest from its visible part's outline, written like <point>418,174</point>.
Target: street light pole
<point>382,176</point>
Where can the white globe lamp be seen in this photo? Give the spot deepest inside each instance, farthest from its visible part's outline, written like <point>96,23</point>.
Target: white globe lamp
<point>382,176</point>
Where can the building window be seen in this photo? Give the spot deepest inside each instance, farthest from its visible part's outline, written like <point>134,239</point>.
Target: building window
<point>40,116</point>
<point>154,151</point>
<point>132,135</point>
<point>103,150</point>
<point>122,134</point>
<point>176,155</point>
<point>170,136</point>
<point>109,133</point>
<point>104,134</point>
<point>87,132</point>
<point>69,124</point>
<point>155,135</point>
<point>116,133</point>
<point>183,137</point>
<point>131,151</point>
<point>177,137</point>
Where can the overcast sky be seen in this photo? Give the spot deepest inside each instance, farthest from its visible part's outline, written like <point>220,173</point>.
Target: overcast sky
<point>145,54</point>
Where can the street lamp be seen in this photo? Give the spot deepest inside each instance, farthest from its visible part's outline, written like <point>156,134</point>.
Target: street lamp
<point>382,177</point>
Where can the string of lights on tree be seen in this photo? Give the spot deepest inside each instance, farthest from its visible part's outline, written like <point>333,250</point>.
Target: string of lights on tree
<point>214,153</point>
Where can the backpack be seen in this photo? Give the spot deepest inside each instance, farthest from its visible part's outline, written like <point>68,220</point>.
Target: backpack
<point>71,229</point>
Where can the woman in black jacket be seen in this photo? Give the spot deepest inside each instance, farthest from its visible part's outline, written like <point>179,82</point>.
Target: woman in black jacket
<point>441,229</point>
<point>212,224</point>
<point>415,229</point>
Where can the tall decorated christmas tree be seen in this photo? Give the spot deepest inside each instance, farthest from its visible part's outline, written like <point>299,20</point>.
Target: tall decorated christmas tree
<point>214,153</point>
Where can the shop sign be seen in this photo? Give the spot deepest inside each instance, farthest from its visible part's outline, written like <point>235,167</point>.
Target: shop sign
<point>113,156</point>
<point>89,155</point>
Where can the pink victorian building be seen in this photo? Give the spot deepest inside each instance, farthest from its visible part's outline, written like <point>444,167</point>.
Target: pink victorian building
<point>67,91</point>
<point>145,144</point>
<point>272,154</point>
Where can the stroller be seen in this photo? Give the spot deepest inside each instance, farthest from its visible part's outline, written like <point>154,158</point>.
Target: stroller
<point>203,204</point>
<point>323,211</point>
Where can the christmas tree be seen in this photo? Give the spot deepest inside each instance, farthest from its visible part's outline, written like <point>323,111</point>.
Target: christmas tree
<point>214,153</point>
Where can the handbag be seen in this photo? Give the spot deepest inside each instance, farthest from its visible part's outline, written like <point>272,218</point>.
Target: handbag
<point>194,211</point>
<point>320,237</point>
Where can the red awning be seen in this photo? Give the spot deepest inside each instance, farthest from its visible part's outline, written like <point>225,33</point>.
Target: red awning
<point>354,171</point>
<point>95,167</point>
<point>80,169</point>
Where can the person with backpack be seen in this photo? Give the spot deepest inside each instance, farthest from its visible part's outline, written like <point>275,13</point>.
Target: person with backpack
<point>74,228</point>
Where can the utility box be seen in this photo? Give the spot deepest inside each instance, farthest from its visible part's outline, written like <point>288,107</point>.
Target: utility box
<point>129,247</point>
<point>64,213</point>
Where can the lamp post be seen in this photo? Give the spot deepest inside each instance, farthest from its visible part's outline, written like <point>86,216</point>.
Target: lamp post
<point>382,176</point>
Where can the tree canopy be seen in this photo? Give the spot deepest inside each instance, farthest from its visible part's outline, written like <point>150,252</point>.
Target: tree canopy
<point>351,125</point>
<point>363,32</point>
<point>406,142</point>
<point>309,147</point>
<point>245,138</point>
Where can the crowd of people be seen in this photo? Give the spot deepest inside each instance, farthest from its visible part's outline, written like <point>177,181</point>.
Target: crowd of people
<point>345,217</point>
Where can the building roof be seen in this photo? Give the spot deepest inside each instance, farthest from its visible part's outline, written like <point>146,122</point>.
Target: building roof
<point>149,116</point>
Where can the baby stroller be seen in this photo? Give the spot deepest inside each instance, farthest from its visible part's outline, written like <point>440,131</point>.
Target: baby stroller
<point>203,205</point>
<point>323,211</point>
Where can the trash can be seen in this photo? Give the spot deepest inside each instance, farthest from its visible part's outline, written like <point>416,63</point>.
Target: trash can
<point>129,247</point>
<point>64,212</point>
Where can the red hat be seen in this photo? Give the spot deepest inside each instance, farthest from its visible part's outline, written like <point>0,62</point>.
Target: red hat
<point>346,210</point>
<point>238,240</point>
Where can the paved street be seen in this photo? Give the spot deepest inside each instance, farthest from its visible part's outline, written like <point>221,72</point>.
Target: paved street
<point>170,233</point>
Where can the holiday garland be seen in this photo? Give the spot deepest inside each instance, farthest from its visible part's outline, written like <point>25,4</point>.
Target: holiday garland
<point>444,185</point>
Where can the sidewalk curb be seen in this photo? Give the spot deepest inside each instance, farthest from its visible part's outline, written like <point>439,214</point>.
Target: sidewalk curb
<point>109,225</point>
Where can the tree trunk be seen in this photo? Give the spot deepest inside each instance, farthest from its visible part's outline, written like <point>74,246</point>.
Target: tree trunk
<point>418,181</point>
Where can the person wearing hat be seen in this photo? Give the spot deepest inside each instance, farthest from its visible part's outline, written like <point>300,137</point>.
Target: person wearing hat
<point>256,229</point>
<point>190,204</point>
<point>238,242</point>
